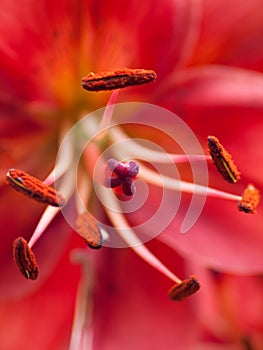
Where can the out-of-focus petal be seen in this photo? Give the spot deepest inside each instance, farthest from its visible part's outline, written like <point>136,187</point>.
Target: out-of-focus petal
<point>151,36</point>
<point>39,50</point>
<point>214,86</point>
<point>223,238</point>
<point>90,36</point>
<point>231,34</point>
<point>219,312</point>
<point>132,308</point>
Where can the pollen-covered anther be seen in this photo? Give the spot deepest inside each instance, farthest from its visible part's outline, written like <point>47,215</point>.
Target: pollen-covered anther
<point>25,258</point>
<point>87,227</point>
<point>117,79</point>
<point>121,174</point>
<point>184,289</point>
<point>223,160</point>
<point>34,188</point>
<point>250,200</point>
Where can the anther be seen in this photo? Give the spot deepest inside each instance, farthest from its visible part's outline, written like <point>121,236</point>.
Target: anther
<point>117,79</point>
<point>34,188</point>
<point>223,160</point>
<point>184,289</point>
<point>250,200</point>
<point>25,258</point>
<point>121,174</point>
<point>88,228</point>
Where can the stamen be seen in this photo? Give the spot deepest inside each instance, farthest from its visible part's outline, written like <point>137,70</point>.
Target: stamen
<point>250,200</point>
<point>117,79</point>
<point>25,258</point>
<point>184,289</point>
<point>223,160</point>
<point>121,174</point>
<point>88,228</point>
<point>34,188</point>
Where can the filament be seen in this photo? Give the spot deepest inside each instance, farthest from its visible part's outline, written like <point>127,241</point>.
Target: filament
<point>187,187</point>
<point>134,149</point>
<point>128,235</point>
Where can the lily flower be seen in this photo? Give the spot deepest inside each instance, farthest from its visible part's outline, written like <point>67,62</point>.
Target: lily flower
<point>130,173</point>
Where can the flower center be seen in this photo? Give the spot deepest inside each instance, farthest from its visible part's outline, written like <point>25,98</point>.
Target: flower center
<point>120,177</point>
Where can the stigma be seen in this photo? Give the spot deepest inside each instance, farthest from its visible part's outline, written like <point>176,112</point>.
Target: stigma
<point>121,175</point>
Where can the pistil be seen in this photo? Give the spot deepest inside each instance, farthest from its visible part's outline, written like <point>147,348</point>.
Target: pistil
<point>121,174</point>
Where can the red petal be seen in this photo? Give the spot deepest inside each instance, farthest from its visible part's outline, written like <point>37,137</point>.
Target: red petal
<point>45,62</point>
<point>222,239</point>
<point>166,29</point>
<point>43,318</point>
<point>231,34</point>
<point>132,300</point>
<point>225,102</point>
<point>215,86</point>
<point>39,50</point>
<point>229,307</point>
